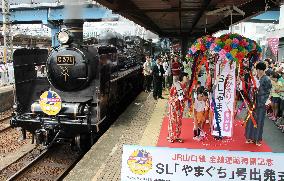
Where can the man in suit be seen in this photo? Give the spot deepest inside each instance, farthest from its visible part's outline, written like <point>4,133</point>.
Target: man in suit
<point>158,74</point>
<point>147,71</point>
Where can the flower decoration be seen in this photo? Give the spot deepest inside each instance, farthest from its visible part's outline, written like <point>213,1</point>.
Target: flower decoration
<point>201,45</point>
<point>230,46</point>
<point>189,58</point>
<point>234,47</point>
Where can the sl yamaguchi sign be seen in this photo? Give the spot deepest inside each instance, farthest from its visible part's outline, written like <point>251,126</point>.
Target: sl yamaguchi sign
<point>180,164</point>
<point>224,94</point>
<point>50,103</point>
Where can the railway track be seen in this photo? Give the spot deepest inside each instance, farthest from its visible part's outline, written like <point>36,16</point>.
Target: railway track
<point>21,162</point>
<point>10,142</point>
<point>5,120</point>
<point>52,164</point>
<point>5,124</point>
<point>5,115</point>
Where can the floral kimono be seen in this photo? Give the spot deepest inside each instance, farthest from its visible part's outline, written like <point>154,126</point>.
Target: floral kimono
<point>176,107</point>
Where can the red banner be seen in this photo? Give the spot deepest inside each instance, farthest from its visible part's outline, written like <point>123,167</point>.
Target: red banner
<point>273,45</point>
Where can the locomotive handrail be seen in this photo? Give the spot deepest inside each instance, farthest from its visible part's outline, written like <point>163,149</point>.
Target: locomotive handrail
<point>25,81</point>
<point>50,120</point>
<point>30,113</point>
<point>26,64</point>
<point>60,115</point>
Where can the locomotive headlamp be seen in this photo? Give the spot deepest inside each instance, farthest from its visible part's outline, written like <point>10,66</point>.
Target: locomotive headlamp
<point>63,37</point>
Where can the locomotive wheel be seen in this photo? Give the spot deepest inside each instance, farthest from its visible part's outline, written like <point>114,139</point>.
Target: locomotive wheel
<point>82,143</point>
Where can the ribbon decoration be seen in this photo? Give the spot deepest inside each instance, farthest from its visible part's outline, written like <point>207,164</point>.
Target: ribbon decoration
<point>249,113</point>
<point>195,74</point>
<point>246,96</point>
<point>240,108</point>
<point>253,81</point>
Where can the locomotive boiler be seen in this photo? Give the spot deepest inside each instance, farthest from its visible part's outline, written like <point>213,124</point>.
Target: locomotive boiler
<point>68,94</point>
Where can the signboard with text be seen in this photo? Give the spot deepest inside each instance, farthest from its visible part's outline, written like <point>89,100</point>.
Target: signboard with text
<point>180,164</point>
<point>224,94</point>
<point>273,45</point>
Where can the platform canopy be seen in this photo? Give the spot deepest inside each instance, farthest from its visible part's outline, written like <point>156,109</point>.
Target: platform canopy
<point>179,18</point>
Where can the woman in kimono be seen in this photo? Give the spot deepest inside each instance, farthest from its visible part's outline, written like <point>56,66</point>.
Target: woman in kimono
<point>253,133</point>
<point>176,107</point>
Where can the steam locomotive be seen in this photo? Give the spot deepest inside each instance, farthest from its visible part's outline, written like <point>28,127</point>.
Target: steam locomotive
<point>82,87</point>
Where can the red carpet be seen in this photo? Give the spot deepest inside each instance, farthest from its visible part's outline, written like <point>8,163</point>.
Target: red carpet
<point>237,142</point>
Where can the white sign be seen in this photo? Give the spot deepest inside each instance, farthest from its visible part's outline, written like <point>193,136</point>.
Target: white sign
<point>224,94</point>
<point>180,164</point>
<point>180,91</point>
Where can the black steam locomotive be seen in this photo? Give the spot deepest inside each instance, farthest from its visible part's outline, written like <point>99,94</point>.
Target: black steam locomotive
<point>92,81</point>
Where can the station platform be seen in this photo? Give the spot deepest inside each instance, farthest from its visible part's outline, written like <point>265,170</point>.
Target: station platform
<point>145,123</point>
<point>6,97</point>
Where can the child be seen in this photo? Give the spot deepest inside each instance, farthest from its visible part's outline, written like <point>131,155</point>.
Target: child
<point>196,88</point>
<point>208,109</point>
<point>191,97</point>
<point>207,106</point>
<point>275,97</point>
<point>199,108</point>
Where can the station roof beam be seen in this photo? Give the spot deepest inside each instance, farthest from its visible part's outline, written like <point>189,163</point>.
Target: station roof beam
<point>179,18</point>
<point>57,13</point>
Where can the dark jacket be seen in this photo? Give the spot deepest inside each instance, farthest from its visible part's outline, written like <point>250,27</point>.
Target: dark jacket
<point>158,72</point>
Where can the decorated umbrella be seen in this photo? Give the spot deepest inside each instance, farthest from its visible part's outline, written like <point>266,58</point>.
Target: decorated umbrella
<point>198,53</point>
<point>234,47</point>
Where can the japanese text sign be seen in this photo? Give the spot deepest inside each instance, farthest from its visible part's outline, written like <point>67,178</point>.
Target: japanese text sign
<point>180,164</point>
<point>224,95</point>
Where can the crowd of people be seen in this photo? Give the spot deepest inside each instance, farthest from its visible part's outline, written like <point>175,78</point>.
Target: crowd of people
<point>275,105</point>
<point>269,98</point>
<point>168,73</point>
<point>160,73</point>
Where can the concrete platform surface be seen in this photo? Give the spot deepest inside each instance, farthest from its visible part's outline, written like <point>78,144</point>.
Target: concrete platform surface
<point>139,125</point>
<point>6,98</point>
